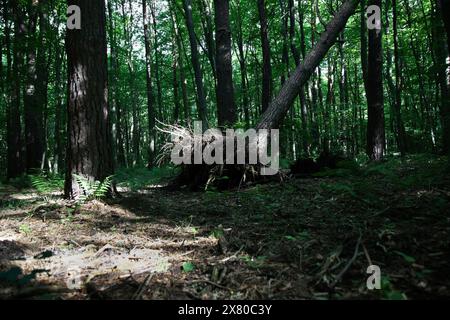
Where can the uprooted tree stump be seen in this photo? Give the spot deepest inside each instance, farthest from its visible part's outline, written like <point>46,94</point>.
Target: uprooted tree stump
<point>221,175</point>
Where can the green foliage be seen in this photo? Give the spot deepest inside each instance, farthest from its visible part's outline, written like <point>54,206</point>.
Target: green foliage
<point>22,182</point>
<point>25,229</point>
<point>47,183</point>
<point>188,267</point>
<point>388,292</point>
<point>93,189</point>
<point>140,178</point>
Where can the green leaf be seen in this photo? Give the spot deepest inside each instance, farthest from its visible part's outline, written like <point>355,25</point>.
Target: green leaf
<point>188,267</point>
<point>407,258</point>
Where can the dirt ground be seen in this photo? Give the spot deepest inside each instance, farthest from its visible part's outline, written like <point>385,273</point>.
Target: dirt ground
<point>297,239</point>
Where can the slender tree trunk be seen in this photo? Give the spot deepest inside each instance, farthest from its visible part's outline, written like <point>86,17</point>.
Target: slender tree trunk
<point>150,101</point>
<point>281,104</point>
<point>157,63</point>
<point>34,99</point>
<point>59,130</point>
<point>116,108</point>
<point>375,127</point>
<point>183,82</point>
<point>225,91</point>
<point>241,53</point>
<point>399,125</point>
<point>267,67</point>
<point>89,152</point>
<point>445,76</point>
<point>136,131</point>
<point>15,164</point>
<point>201,100</point>
<point>205,16</point>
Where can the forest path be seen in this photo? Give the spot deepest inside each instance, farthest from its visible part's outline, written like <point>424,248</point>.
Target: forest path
<point>291,240</point>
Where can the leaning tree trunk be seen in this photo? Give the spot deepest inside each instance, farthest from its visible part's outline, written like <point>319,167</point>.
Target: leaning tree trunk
<point>281,104</point>
<point>89,152</point>
<point>225,92</point>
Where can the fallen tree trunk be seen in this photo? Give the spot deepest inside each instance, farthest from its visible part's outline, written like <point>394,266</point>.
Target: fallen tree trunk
<point>290,90</point>
<point>197,176</point>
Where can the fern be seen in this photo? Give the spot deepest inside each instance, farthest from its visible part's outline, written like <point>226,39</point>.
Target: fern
<point>45,184</point>
<point>93,189</point>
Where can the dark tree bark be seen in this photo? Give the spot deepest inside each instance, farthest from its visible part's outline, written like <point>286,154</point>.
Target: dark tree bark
<point>116,108</point>
<point>364,56</point>
<point>207,25</point>
<point>201,100</point>
<point>375,127</point>
<point>445,8</point>
<point>89,152</point>
<point>15,164</point>
<point>267,67</point>
<point>225,91</point>
<point>399,125</point>
<point>59,128</point>
<point>136,127</point>
<point>150,101</point>
<point>35,87</point>
<point>445,76</point>
<point>161,110</point>
<point>184,94</point>
<point>281,104</point>
<point>241,53</point>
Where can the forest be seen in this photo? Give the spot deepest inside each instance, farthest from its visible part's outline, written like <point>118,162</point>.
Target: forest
<point>95,96</point>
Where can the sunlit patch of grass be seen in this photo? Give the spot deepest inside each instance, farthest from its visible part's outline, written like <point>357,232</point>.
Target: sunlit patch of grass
<point>140,178</point>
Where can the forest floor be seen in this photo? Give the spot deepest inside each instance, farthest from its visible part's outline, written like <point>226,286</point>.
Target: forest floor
<point>298,239</point>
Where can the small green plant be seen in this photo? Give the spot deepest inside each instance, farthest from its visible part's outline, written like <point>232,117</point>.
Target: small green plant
<point>93,189</point>
<point>388,292</point>
<point>25,229</point>
<point>188,267</point>
<point>46,183</point>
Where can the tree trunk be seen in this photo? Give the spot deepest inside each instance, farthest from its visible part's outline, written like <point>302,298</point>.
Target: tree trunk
<point>59,130</point>
<point>225,91</point>
<point>399,125</point>
<point>34,95</point>
<point>241,53</point>
<point>116,108</point>
<point>375,127</point>
<point>150,101</point>
<point>201,100</point>
<point>89,152</point>
<point>184,94</point>
<point>15,165</point>
<point>445,76</point>
<point>267,67</point>
<point>281,104</point>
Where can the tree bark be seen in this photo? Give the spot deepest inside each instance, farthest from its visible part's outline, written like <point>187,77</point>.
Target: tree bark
<point>399,125</point>
<point>445,72</point>
<point>281,104</point>
<point>150,101</point>
<point>201,100</point>
<point>116,108</point>
<point>35,85</point>
<point>225,92</point>
<point>89,152</point>
<point>15,164</point>
<point>375,127</point>
<point>267,67</point>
